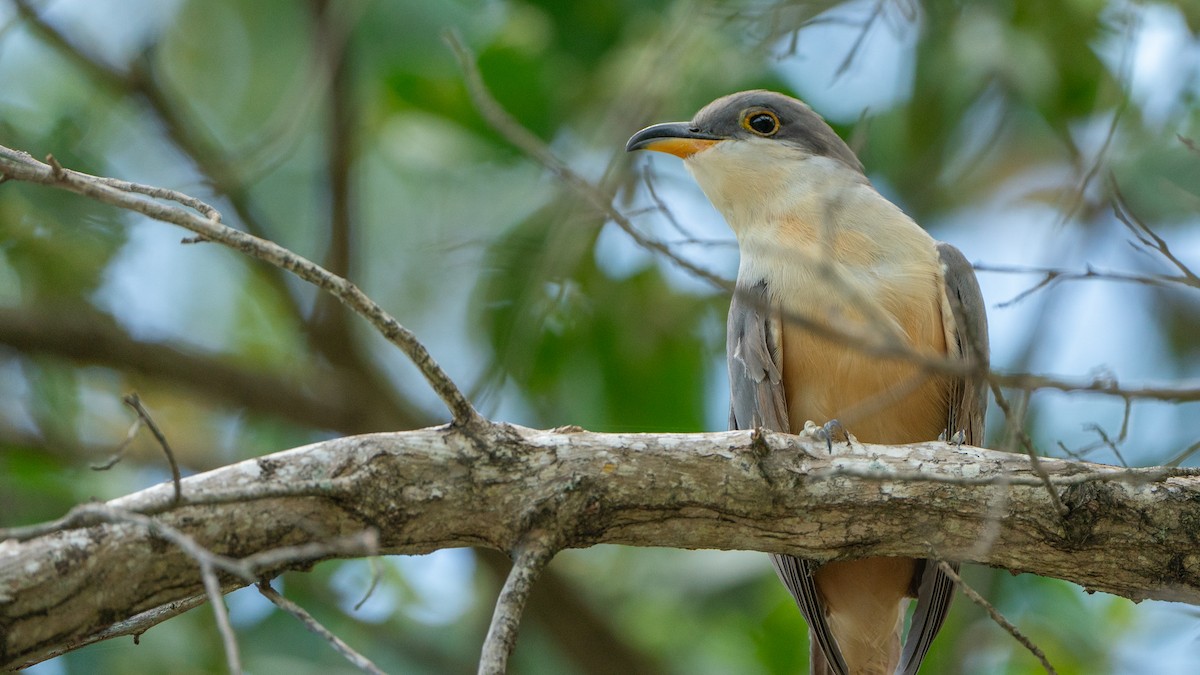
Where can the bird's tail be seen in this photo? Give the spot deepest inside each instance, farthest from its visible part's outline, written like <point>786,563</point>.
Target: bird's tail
<point>817,663</point>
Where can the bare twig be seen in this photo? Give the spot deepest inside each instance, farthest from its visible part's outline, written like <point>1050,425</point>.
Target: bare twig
<point>134,402</point>
<point>1183,455</point>
<point>1079,194</point>
<point>1146,236</point>
<point>119,452</point>
<point>324,397</point>
<point>216,598</point>
<point>1104,440</point>
<point>1004,623</point>
<point>376,575</point>
<point>1027,444</point>
<point>859,40</point>
<point>358,660</point>
<point>1185,390</point>
<point>134,625</point>
<point>661,207</point>
<point>1055,275</point>
<point>531,556</point>
<point>22,166</point>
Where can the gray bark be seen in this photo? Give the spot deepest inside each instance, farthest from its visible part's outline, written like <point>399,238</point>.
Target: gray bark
<point>1133,533</point>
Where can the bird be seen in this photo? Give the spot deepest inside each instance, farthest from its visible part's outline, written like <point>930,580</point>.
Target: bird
<point>826,262</point>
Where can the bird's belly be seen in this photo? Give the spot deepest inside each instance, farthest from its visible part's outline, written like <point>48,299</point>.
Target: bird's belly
<point>878,400</point>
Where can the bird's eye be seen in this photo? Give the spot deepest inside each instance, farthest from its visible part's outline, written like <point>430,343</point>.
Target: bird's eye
<point>763,122</point>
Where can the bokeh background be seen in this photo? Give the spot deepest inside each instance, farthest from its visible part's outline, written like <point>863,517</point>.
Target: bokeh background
<point>343,130</point>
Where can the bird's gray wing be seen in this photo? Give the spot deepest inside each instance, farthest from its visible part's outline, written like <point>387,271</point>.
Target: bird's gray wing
<point>968,402</point>
<point>754,351</point>
<point>755,355</point>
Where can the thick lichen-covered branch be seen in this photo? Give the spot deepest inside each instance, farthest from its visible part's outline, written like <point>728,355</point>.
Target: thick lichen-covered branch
<point>1128,532</point>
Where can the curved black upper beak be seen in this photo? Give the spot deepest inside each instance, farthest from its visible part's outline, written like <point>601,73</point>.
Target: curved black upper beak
<point>676,138</point>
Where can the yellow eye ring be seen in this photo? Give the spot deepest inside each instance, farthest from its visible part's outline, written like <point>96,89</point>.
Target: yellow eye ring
<point>761,122</point>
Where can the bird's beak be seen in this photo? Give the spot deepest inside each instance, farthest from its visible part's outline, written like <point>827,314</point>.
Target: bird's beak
<point>676,138</point>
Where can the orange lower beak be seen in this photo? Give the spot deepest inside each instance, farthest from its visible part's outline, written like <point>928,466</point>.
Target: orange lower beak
<point>680,147</point>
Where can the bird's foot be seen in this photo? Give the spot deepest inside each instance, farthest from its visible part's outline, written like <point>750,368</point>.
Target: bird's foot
<point>956,439</point>
<point>828,432</point>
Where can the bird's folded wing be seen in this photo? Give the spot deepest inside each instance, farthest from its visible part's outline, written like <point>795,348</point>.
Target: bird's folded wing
<point>967,339</point>
<point>755,362</point>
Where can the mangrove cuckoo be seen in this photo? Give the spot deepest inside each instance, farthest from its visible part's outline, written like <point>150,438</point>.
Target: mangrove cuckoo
<point>821,249</point>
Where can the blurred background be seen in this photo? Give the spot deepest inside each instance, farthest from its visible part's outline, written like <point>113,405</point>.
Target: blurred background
<point>343,130</point>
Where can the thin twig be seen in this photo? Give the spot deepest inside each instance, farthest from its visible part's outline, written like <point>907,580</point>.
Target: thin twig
<point>1146,236</point>
<point>216,598</point>
<point>531,556</point>
<point>1184,455</point>
<point>1079,194</point>
<point>1054,275</point>
<point>1183,391</point>
<point>134,402</point>
<point>856,46</point>
<point>1027,444</point>
<point>376,575</point>
<point>661,206</point>
<point>24,167</point>
<point>1004,623</point>
<point>361,662</point>
<point>119,452</point>
<point>1188,143</point>
<point>134,625</point>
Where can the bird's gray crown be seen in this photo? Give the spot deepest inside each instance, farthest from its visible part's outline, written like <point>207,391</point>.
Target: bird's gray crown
<point>798,124</point>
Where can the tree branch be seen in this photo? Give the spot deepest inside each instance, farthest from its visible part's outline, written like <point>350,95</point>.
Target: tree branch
<point>323,399</point>
<point>1128,532</point>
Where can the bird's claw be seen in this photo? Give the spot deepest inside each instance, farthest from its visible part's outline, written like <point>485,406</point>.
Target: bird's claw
<point>956,439</point>
<point>828,432</point>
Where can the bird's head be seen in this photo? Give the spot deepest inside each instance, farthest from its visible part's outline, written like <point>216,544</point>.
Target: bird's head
<point>754,150</point>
